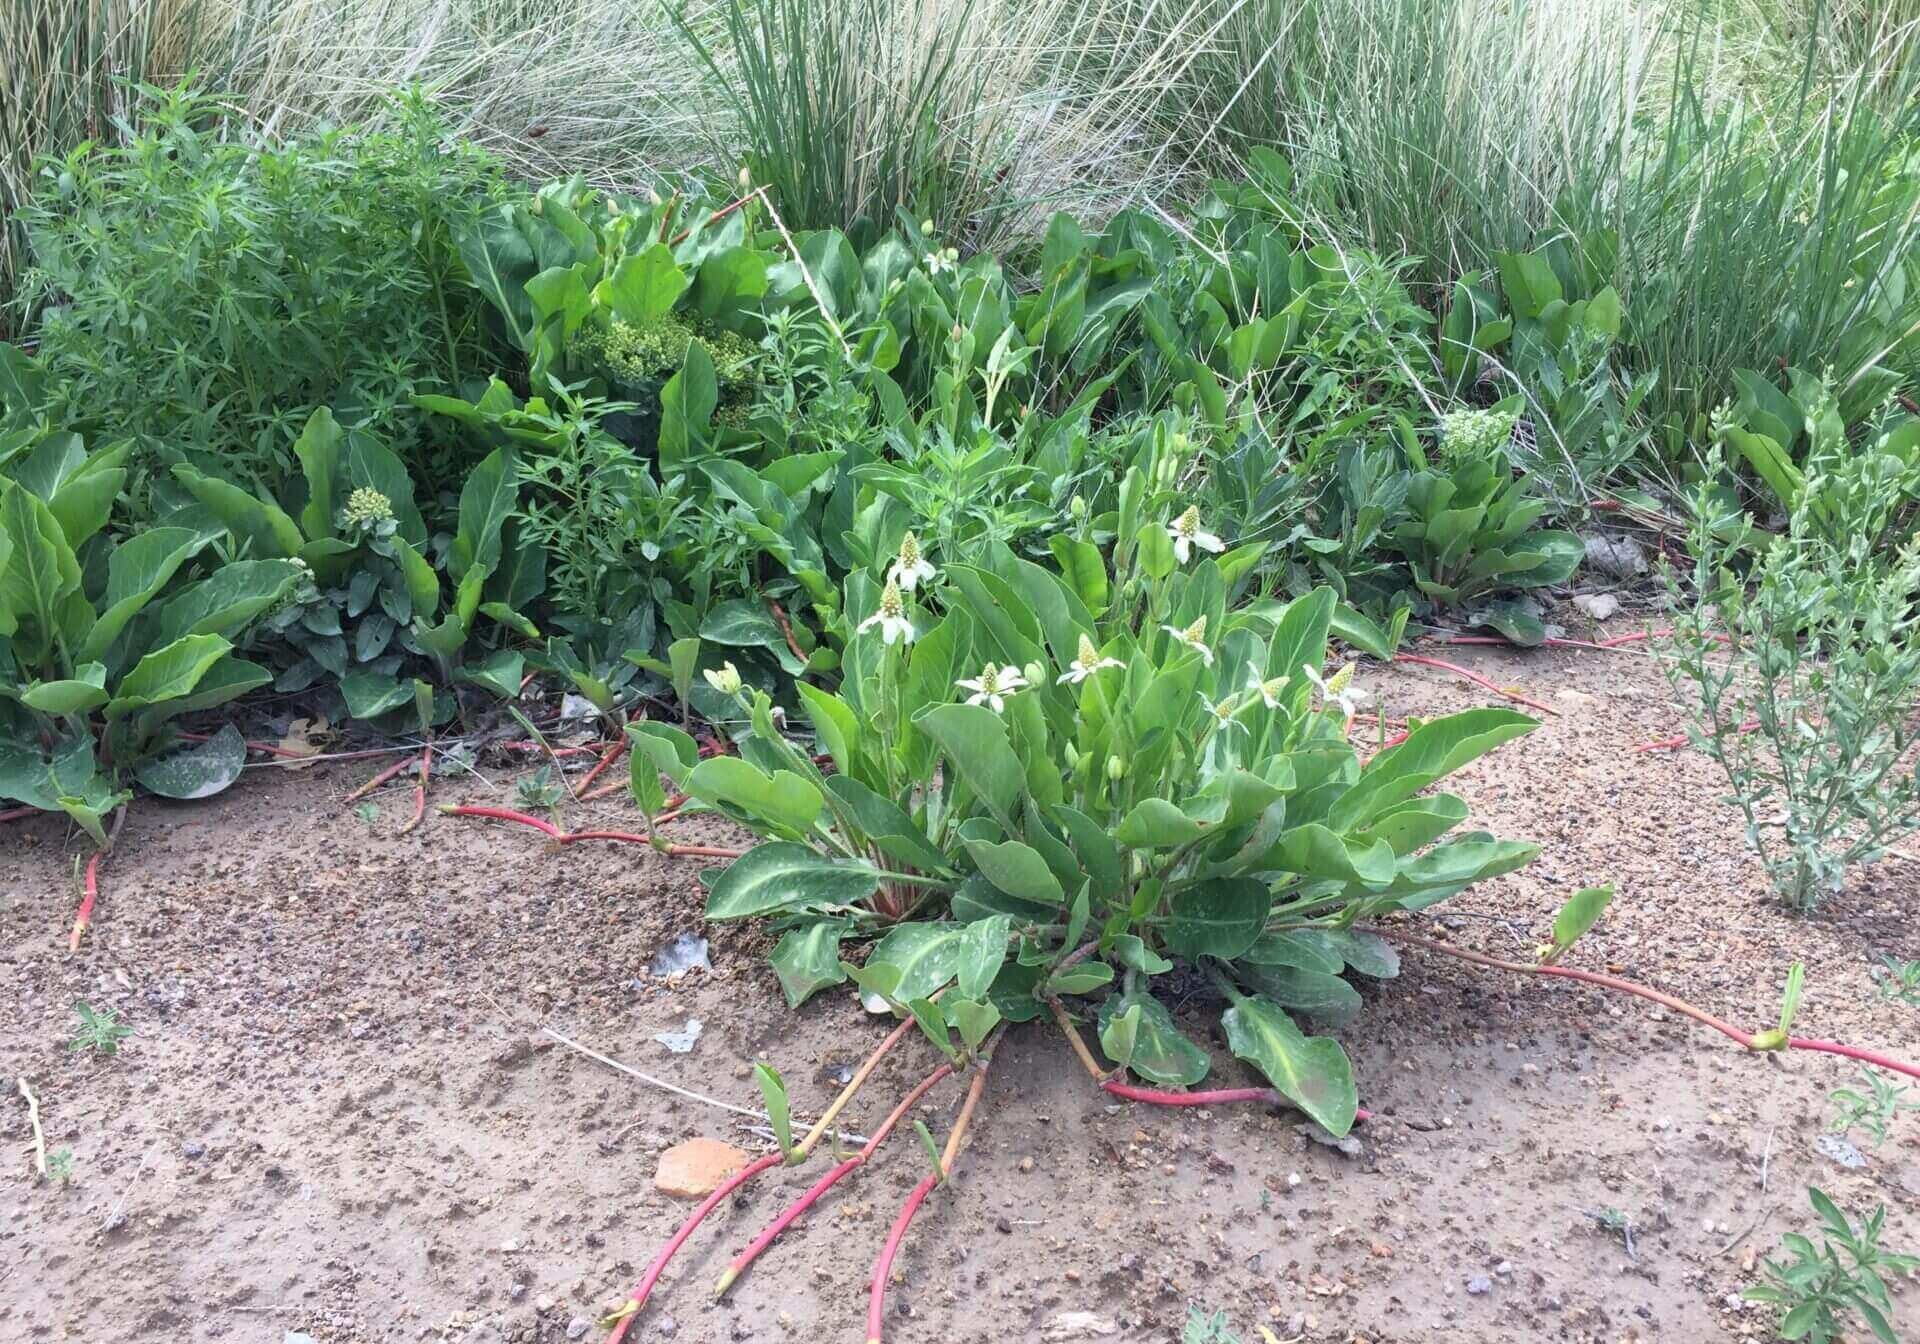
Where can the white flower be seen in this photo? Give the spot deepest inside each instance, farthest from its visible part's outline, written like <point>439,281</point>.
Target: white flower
<point>910,567</point>
<point>1085,663</point>
<point>992,686</point>
<point>941,259</point>
<point>890,616</point>
<point>1269,688</point>
<point>1194,637</point>
<point>725,679</point>
<point>1337,689</point>
<point>1186,534</point>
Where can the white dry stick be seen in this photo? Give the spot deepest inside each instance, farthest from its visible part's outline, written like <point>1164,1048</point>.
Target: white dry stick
<point>819,300</point>
<point>33,1118</point>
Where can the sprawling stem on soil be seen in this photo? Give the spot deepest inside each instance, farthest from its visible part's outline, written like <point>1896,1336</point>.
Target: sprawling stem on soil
<point>420,788</point>
<point>825,1183</point>
<point>1474,677</point>
<point>91,891</point>
<point>560,837</point>
<point>877,1293</point>
<point>613,754</point>
<point>20,813</point>
<point>1752,1040</point>
<point>820,1129</point>
<point>386,773</point>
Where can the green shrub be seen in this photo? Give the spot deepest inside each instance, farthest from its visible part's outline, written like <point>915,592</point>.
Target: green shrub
<point>1808,704</point>
<point>204,292</point>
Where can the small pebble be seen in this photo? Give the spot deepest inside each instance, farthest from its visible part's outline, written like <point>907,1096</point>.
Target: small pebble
<point>578,1326</point>
<point>1479,1285</point>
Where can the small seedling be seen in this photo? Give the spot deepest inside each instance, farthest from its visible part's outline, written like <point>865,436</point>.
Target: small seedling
<point>98,1031</point>
<point>1204,1329</point>
<point>1610,1219</point>
<point>779,1113</point>
<point>1822,1288</point>
<point>540,792</point>
<point>1898,980</point>
<point>368,814</point>
<point>60,1165</point>
<point>1871,1111</point>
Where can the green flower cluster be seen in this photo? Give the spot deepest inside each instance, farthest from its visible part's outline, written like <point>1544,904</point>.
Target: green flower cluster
<point>627,353</point>
<point>1475,434</point>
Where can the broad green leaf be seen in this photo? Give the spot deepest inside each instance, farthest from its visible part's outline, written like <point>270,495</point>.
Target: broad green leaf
<point>687,403</point>
<point>1314,851</point>
<point>1130,951</point>
<point>40,575</point>
<point>972,1019</point>
<point>1081,978</point>
<point>227,601</point>
<point>933,1025</point>
<point>499,672</point>
<point>137,569</point>
<point>835,725</point>
<point>670,748</point>
<point>782,799</point>
<point>1155,823</point>
<point>486,502</point>
<point>1308,949</point>
<point>1581,912</point>
<point>789,879</point>
<point>1018,870</point>
<point>197,771</point>
<point>168,673</point>
<point>889,828</point>
<point>1315,993</point>
<point>1430,752</point>
<point>807,959</point>
<point>1368,953</point>
<point>974,739</point>
<point>1119,1033</point>
<point>643,289</point>
<point>1311,1072</point>
<point>1097,852</point>
<point>370,694</point>
<point>773,1090</point>
<point>1222,918</point>
<point>85,690</point>
<point>319,451</point>
<point>371,465</point>
<point>1161,1051</point>
<point>255,522</point>
<point>983,949</point>
<point>926,955</point>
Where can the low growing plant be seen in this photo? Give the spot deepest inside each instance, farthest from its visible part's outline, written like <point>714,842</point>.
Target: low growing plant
<point>100,1032</point>
<point>1800,680</point>
<point>1052,785</point>
<point>1820,1289</point>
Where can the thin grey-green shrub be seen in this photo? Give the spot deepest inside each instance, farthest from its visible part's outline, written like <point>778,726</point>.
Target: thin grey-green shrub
<point>1871,1107</point>
<point>1799,680</point>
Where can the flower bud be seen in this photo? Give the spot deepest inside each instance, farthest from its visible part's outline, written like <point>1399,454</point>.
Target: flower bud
<point>1077,507</point>
<point>1116,768</point>
<point>1034,673</point>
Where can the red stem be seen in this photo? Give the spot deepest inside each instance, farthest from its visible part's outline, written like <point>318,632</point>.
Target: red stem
<point>1639,635</point>
<point>86,903</point>
<point>877,1293</point>
<point>644,1288</point>
<point>1220,1097</point>
<point>613,754</point>
<point>1675,743</point>
<point>267,748</point>
<point>385,774</point>
<point>420,789</point>
<point>1475,677</point>
<point>1751,1040</point>
<point>716,216</point>
<point>827,1182</point>
<point>20,813</point>
<point>586,749</point>
<point>546,828</point>
<point>1495,642</point>
<point>559,836</point>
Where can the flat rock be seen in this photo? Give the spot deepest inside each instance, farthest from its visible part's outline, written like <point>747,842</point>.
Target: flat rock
<point>1597,606</point>
<point>694,1169</point>
<point>1072,1325</point>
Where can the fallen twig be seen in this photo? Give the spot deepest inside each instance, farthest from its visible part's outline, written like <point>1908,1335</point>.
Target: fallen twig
<point>420,788</point>
<point>560,837</point>
<point>1455,668</point>
<point>33,1120</point>
<point>386,773</point>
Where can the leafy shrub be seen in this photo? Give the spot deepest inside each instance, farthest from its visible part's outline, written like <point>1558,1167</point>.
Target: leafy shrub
<point>100,646</point>
<point>205,292</point>
<point>1822,1287</point>
<point>1047,783</point>
<point>1821,657</point>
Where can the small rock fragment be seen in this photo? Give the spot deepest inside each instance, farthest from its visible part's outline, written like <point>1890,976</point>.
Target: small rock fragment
<point>1075,1325</point>
<point>578,1326</point>
<point>1479,1285</point>
<point>1597,606</point>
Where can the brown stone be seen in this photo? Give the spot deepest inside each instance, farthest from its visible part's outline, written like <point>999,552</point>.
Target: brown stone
<point>694,1169</point>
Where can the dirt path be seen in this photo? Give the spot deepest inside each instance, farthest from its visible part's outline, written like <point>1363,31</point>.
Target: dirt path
<point>337,1116</point>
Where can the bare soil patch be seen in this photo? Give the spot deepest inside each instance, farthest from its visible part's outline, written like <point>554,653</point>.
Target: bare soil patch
<point>338,1115</point>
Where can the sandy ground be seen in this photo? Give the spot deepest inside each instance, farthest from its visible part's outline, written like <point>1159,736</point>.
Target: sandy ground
<point>337,1115</point>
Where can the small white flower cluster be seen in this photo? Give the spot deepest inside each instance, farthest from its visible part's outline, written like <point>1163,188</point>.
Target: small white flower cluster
<point>1475,434</point>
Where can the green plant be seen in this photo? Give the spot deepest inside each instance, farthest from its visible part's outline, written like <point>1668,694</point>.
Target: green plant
<point>1202,1328</point>
<point>99,1031</point>
<point>1468,530</point>
<point>60,1165</point>
<point>103,645</point>
<point>1800,687</point>
<point>367,611</point>
<point>1069,779</point>
<point>1899,979</point>
<point>1822,1288</point>
<point>1873,1110</point>
<point>202,291</point>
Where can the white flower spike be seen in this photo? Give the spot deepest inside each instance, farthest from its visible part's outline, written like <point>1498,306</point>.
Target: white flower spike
<point>910,568</point>
<point>993,686</point>
<point>1085,663</point>
<point>1186,535</point>
<point>1194,637</point>
<point>1269,688</point>
<point>1337,689</point>
<point>890,616</point>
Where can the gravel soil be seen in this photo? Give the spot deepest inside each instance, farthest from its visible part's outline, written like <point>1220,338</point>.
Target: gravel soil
<point>339,1115</point>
